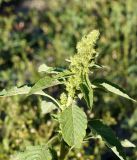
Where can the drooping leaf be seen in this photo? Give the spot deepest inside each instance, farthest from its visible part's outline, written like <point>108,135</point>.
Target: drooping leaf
<point>47,107</point>
<point>15,91</point>
<point>87,91</point>
<point>34,153</point>
<point>108,137</point>
<point>73,124</point>
<point>48,81</point>
<point>44,83</point>
<point>25,90</point>
<point>111,87</point>
<point>88,94</point>
<point>19,91</point>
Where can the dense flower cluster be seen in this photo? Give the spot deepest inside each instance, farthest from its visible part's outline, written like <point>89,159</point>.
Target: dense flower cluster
<point>80,62</point>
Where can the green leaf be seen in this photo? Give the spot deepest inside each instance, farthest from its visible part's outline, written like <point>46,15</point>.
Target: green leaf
<point>34,152</point>
<point>44,83</point>
<point>37,88</point>
<point>87,91</point>
<point>73,124</point>
<point>47,107</point>
<point>88,94</point>
<point>25,90</point>
<point>21,90</point>
<point>48,81</point>
<point>108,136</point>
<point>15,91</point>
<point>111,87</point>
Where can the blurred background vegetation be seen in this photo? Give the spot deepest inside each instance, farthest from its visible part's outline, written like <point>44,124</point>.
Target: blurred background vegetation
<point>33,32</point>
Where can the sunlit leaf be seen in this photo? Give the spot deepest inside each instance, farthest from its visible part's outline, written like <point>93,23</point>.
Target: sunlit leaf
<point>108,137</point>
<point>73,124</point>
<point>44,83</point>
<point>111,87</point>
<point>34,152</point>
<point>88,94</point>
<point>48,81</point>
<point>15,91</point>
<point>87,91</point>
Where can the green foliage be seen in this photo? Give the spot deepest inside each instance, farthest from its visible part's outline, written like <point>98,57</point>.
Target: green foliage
<point>15,91</point>
<point>44,83</point>
<point>73,124</point>
<point>71,119</point>
<point>30,37</point>
<point>108,136</point>
<point>111,88</point>
<point>87,91</point>
<point>80,63</point>
<point>35,152</point>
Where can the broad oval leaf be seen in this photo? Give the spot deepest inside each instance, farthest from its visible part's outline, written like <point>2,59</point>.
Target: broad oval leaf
<point>34,152</point>
<point>73,124</point>
<point>108,136</point>
<point>111,87</point>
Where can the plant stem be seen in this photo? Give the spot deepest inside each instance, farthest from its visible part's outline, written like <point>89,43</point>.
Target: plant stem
<point>64,150</point>
<point>53,140</point>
